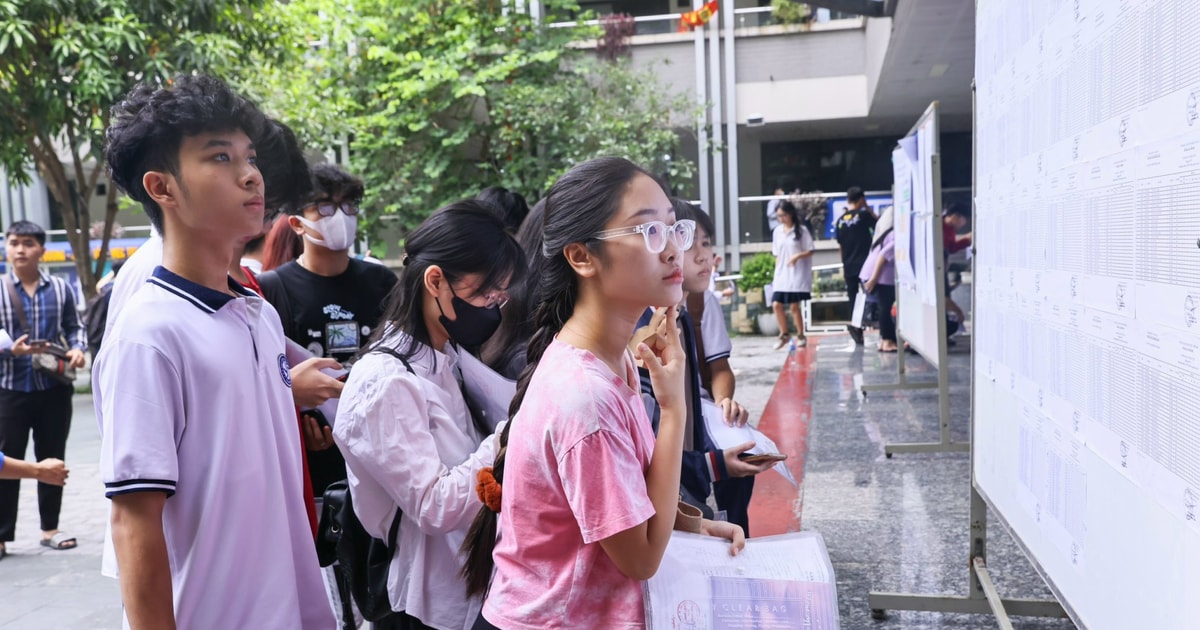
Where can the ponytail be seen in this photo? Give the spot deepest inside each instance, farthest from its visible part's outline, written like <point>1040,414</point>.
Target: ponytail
<point>555,306</point>
<point>577,207</point>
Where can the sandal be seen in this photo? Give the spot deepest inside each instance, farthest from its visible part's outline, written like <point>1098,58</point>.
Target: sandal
<point>60,541</point>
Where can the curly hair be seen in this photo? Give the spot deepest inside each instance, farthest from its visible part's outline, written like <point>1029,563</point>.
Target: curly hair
<point>148,126</point>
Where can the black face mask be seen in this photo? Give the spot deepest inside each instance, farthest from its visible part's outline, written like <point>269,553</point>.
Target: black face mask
<point>474,325</point>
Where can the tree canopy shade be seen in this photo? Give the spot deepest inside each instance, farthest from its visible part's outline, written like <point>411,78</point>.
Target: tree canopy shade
<point>438,99</point>
<point>434,99</point>
<point>64,63</point>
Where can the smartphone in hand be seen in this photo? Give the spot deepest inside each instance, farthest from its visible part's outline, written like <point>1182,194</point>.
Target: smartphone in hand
<point>761,458</point>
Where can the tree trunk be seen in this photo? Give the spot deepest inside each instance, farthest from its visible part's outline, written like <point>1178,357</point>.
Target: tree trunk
<point>55,174</point>
<point>110,216</point>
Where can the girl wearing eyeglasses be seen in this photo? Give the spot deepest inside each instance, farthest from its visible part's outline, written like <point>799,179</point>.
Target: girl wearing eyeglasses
<point>584,496</point>
<point>410,441</point>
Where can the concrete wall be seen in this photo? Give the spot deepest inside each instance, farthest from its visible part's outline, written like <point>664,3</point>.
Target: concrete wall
<point>782,56</point>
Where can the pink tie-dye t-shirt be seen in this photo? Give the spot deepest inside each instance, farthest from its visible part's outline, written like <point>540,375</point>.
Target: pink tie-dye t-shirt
<point>575,474</point>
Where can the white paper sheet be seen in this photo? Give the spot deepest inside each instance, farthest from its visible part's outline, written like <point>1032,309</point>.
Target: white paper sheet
<point>726,436</point>
<point>776,582</point>
<point>488,393</point>
<point>6,342</point>
<point>860,307</point>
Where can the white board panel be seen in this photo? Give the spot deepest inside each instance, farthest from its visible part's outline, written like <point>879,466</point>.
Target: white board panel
<point>918,226</point>
<point>1087,281</point>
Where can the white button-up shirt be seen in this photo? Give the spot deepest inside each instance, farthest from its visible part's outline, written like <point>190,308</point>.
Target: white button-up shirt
<point>409,441</point>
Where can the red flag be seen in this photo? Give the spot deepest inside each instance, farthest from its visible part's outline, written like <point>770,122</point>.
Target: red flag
<point>699,17</point>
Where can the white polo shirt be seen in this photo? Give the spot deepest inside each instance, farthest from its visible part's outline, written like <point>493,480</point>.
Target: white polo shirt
<point>717,344</point>
<point>133,276</point>
<point>193,398</point>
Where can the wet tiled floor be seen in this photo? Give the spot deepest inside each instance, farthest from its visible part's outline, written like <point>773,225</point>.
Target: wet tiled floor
<point>898,524</point>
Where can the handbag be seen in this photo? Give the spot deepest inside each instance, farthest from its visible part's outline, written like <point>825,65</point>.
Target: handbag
<point>52,361</point>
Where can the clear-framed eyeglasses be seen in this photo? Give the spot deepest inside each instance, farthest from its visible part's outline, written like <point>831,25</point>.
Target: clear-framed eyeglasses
<point>494,299</point>
<point>328,208</point>
<point>656,234</point>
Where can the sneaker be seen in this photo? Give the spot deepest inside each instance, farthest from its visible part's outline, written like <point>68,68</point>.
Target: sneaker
<point>856,334</point>
<point>783,339</point>
<point>802,342</point>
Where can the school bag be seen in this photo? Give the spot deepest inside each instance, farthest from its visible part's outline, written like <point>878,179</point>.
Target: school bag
<point>364,559</point>
<point>94,317</point>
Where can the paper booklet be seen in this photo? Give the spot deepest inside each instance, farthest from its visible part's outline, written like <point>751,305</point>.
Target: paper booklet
<point>782,582</point>
<point>725,436</point>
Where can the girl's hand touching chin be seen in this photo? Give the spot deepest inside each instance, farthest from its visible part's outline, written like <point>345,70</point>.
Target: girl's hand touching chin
<point>662,354</point>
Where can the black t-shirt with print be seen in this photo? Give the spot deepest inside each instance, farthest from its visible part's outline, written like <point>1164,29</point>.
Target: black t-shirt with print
<point>331,317</point>
<point>855,229</point>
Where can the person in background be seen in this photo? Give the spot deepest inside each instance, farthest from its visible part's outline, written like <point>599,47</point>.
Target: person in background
<point>792,245</point>
<point>50,471</point>
<point>36,309</point>
<point>329,303</point>
<point>95,315</point>
<point>511,205</point>
<point>281,246</point>
<point>878,276</point>
<point>854,229</point>
<point>772,207</point>
<point>956,217</point>
<point>412,445</point>
<point>709,379</point>
<point>505,351</point>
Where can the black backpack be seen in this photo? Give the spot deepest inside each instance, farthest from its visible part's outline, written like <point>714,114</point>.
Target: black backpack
<point>95,316</point>
<point>364,559</point>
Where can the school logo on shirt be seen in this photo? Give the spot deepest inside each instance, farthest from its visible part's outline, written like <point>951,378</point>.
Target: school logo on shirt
<point>285,371</point>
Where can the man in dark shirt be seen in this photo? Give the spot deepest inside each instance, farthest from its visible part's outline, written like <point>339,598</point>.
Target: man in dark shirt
<point>329,302</point>
<point>855,227</point>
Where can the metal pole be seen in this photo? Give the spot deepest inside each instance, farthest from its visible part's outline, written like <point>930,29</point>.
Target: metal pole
<point>731,126</point>
<point>702,117</point>
<point>718,210</point>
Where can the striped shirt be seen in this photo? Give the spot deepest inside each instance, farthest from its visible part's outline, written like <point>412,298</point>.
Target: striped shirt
<point>52,316</point>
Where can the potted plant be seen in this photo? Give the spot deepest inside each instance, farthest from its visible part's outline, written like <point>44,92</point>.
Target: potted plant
<point>757,273</point>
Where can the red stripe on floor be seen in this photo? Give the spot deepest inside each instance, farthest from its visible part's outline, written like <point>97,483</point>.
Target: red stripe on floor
<point>776,503</point>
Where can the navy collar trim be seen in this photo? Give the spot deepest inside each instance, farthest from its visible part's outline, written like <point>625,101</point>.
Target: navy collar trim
<point>201,297</point>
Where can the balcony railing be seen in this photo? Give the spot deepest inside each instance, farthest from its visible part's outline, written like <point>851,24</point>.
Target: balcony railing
<point>744,18</point>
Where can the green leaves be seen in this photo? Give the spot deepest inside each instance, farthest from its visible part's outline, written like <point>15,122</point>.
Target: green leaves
<point>64,63</point>
<point>441,98</point>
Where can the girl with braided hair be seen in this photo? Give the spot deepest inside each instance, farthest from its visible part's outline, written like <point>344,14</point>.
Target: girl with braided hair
<point>584,496</point>
<point>409,438</point>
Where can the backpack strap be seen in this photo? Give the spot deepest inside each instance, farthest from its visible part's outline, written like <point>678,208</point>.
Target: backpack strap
<point>395,355</point>
<point>395,529</point>
<point>18,306</point>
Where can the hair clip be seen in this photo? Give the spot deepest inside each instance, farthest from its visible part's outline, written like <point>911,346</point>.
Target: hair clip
<point>404,259</point>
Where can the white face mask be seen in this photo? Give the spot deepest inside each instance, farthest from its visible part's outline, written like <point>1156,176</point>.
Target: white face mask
<point>338,231</point>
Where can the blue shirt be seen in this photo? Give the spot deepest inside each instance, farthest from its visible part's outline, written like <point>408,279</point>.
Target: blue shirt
<point>52,317</point>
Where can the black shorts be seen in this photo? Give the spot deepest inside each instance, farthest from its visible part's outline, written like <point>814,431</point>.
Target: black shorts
<point>790,297</point>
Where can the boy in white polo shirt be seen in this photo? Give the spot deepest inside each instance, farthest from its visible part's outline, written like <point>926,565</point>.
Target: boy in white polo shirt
<point>200,452</point>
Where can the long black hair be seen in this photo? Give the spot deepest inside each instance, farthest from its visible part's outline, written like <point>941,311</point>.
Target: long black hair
<point>463,238</point>
<point>577,207</point>
<point>505,351</point>
<point>793,212</point>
